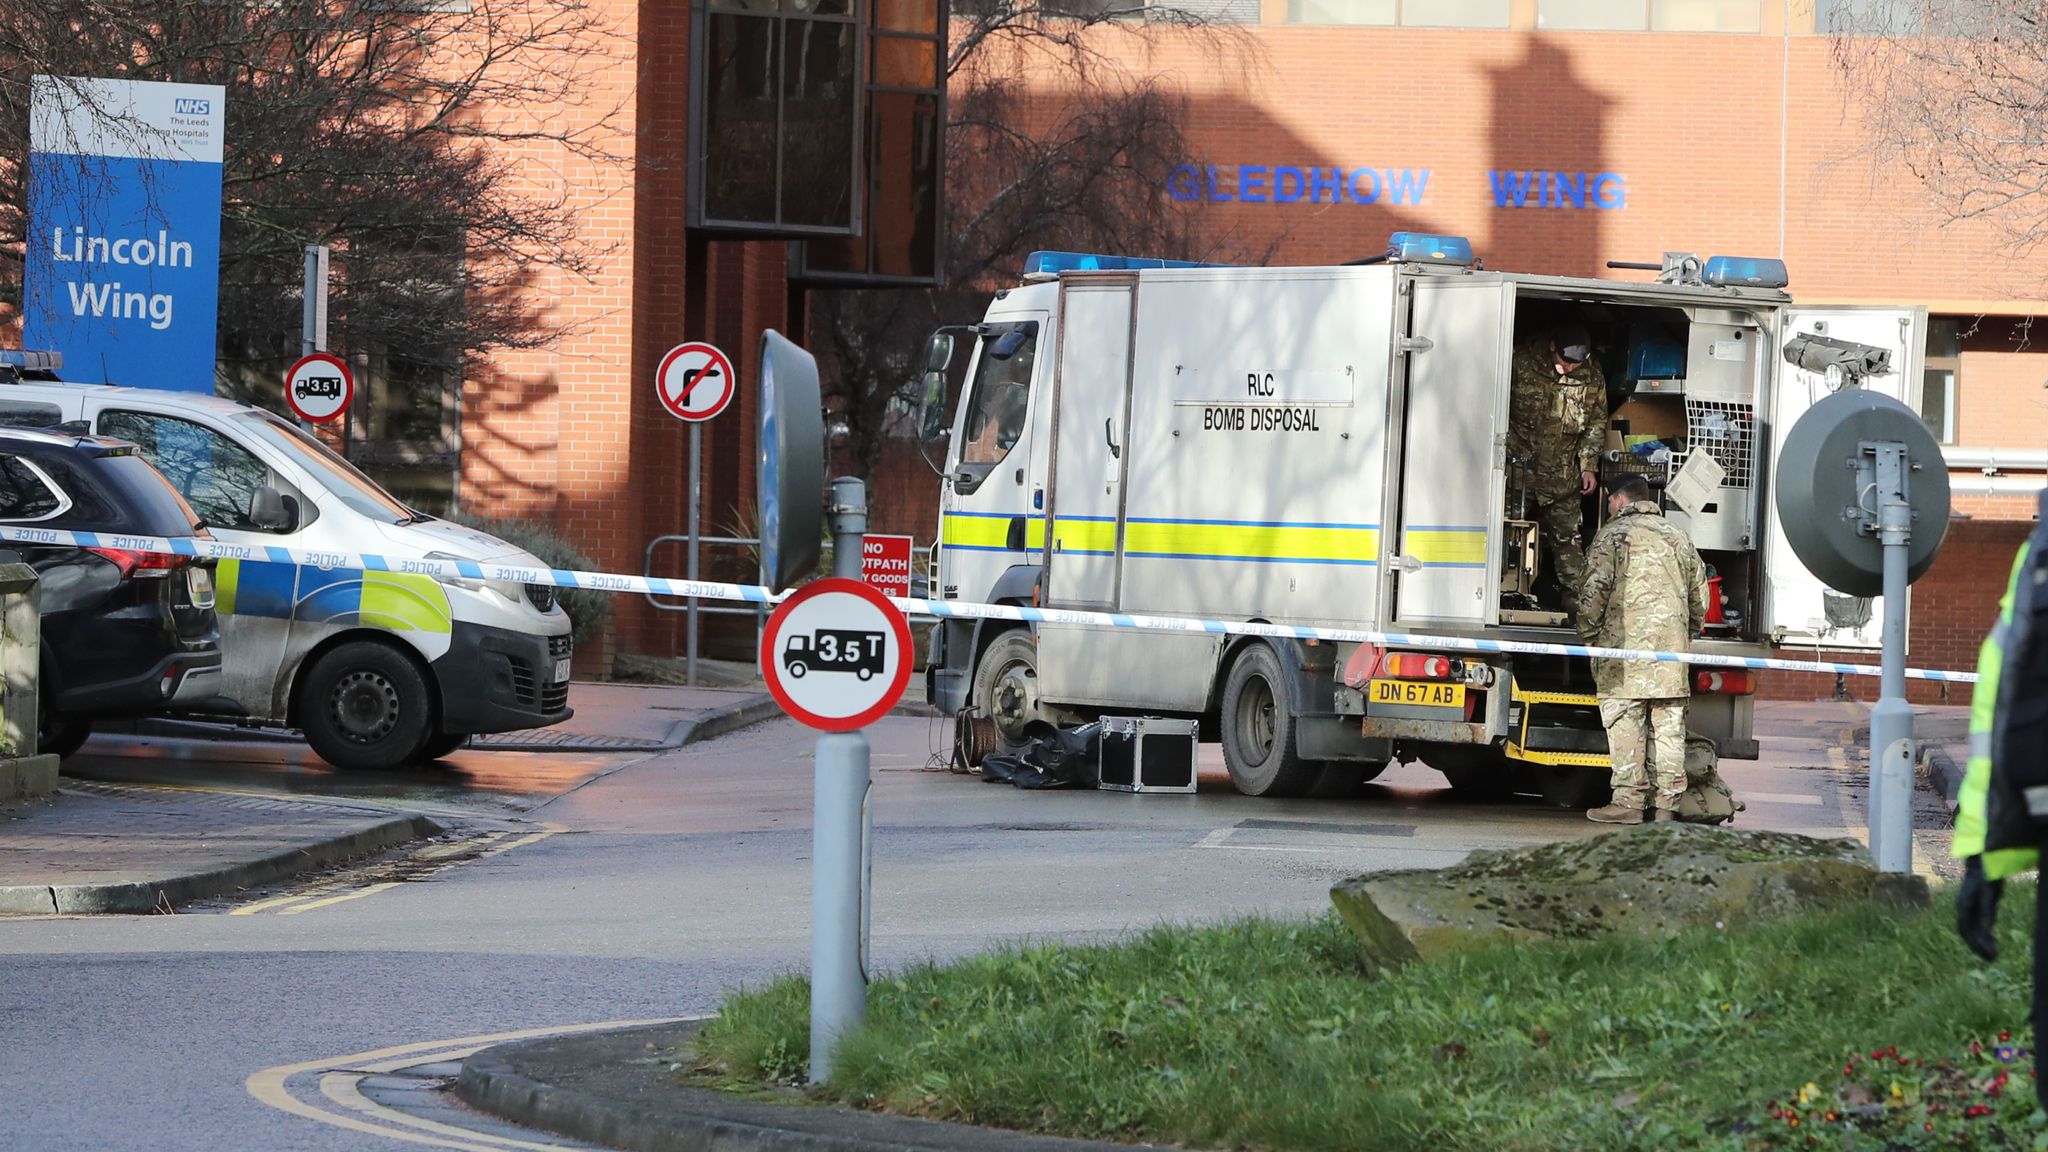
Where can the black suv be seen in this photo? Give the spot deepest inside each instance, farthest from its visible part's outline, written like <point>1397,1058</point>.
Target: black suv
<point>124,631</point>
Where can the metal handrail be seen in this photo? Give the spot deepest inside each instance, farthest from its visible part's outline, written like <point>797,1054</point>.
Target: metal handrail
<point>758,611</point>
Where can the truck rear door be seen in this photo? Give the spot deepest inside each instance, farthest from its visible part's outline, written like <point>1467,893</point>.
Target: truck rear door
<point>1799,608</point>
<point>1452,474</point>
<point>1091,417</point>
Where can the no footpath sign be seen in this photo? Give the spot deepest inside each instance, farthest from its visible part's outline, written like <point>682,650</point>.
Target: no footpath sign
<point>836,655</point>
<point>885,563</point>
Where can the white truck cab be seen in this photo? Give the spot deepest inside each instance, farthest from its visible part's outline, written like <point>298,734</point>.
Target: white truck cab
<point>378,669</point>
<point>1327,446</point>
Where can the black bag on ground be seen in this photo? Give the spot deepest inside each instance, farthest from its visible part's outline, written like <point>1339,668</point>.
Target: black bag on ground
<point>1065,758</point>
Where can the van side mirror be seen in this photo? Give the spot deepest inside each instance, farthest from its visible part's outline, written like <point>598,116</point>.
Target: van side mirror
<point>267,510</point>
<point>931,407</point>
<point>938,355</point>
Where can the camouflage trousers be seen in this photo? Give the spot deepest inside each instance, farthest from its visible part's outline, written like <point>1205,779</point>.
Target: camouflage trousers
<point>1561,517</point>
<point>1640,731</point>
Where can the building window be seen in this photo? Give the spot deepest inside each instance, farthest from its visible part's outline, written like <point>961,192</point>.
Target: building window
<point>1942,373</point>
<point>777,96</point>
<point>1410,13</point>
<point>1871,17</point>
<point>904,142</point>
<point>1706,16</point>
<point>1651,15</point>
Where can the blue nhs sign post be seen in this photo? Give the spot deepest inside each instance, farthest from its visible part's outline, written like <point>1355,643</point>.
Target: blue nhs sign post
<point>123,253</point>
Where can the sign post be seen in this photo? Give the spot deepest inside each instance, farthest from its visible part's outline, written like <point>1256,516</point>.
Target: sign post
<point>836,656</point>
<point>694,382</point>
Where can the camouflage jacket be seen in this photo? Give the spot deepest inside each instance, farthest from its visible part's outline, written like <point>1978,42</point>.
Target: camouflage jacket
<point>1559,423</point>
<point>1646,588</point>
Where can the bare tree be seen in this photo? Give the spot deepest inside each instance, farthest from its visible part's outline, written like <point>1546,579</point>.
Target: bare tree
<point>1956,93</point>
<point>1086,169</point>
<point>391,130</point>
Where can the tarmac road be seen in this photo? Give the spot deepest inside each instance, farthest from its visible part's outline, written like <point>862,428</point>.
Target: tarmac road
<point>647,886</point>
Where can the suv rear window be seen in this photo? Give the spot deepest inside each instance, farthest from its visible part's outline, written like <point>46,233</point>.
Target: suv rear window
<point>23,494</point>
<point>150,504</point>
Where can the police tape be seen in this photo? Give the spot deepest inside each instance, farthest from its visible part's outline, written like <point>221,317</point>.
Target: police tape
<point>459,571</point>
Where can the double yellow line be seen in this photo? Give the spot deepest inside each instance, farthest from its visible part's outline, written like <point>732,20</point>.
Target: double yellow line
<point>450,854</point>
<point>345,1106</point>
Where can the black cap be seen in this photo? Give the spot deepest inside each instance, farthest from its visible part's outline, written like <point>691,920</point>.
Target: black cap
<point>1572,341</point>
<point>1626,481</point>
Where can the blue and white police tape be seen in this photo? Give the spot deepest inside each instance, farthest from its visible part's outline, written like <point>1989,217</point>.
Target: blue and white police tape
<point>452,571</point>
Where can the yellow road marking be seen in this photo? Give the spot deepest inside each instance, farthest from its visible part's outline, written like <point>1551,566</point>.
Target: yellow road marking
<point>342,1088</point>
<point>358,894</point>
<point>437,851</point>
<point>269,1085</point>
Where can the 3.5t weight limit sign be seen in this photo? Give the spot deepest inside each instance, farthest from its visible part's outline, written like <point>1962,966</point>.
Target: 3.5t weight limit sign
<point>319,387</point>
<point>836,655</point>
<point>695,382</point>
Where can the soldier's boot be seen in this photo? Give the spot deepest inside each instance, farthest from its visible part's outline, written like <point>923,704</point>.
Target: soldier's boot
<point>1664,816</point>
<point>1616,814</point>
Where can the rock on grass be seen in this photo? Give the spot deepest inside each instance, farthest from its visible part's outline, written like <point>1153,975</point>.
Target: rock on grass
<point>1654,879</point>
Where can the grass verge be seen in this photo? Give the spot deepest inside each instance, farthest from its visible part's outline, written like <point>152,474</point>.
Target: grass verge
<point>1265,1034</point>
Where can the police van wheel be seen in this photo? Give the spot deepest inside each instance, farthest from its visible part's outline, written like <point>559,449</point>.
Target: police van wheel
<point>1006,688</point>
<point>365,706</point>
<point>1258,730</point>
<point>440,744</point>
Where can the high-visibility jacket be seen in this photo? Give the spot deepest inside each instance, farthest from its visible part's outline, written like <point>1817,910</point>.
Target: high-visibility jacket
<point>2003,814</point>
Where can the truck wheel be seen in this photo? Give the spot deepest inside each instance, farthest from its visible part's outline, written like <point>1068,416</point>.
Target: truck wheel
<point>365,706</point>
<point>1006,687</point>
<point>1339,778</point>
<point>1258,730</point>
<point>865,674</point>
<point>797,669</point>
<point>1474,773</point>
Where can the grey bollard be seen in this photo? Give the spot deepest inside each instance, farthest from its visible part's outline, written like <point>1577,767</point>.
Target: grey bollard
<point>21,645</point>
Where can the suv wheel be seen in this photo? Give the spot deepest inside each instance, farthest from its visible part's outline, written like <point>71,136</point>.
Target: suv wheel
<point>365,706</point>
<point>61,734</point>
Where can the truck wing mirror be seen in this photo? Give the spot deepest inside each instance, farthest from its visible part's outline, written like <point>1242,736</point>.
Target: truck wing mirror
<point>267,510</point>
<point>938,355</point>
<point>931,408</point>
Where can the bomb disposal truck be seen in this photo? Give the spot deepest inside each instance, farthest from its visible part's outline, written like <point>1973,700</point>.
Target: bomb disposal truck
<point>1327,446</point>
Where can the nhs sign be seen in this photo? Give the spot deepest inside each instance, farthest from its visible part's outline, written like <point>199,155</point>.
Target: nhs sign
<point>122,258</point>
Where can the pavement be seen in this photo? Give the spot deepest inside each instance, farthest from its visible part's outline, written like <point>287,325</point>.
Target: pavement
<point>578,893</point>
<point>108,848</point>
<point>125,846</point>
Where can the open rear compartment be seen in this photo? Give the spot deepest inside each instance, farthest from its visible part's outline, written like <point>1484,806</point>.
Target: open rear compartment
<point>1682,388</point>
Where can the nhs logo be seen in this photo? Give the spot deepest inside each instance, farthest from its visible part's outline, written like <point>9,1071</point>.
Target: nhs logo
<point>188,107</point>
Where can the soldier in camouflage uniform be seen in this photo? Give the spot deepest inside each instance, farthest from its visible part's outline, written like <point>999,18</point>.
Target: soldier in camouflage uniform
<point>1557,424</point>
<point>1646,589</point>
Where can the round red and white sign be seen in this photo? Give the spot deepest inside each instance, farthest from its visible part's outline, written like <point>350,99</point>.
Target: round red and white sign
<point>319,387</point>
<point>695,381</point>
<point>836,655</point>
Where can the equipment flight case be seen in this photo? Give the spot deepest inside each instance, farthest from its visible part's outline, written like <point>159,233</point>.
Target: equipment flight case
<point>1149,754</point>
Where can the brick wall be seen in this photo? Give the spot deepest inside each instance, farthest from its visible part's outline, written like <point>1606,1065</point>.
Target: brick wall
<point>1953,606</point>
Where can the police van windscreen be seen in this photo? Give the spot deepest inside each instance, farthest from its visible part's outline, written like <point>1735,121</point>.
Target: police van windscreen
<point>338,476</point>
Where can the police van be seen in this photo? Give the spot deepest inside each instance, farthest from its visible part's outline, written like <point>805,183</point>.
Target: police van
<point>1327,446</point>
<point>378,669</point>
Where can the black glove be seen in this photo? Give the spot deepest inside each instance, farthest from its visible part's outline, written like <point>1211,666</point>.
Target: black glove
<point>1977,909</point>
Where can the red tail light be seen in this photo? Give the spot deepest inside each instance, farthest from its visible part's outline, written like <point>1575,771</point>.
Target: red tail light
<point>1726,681</point>
<point>135,564</point>
<point>1420,666</point>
